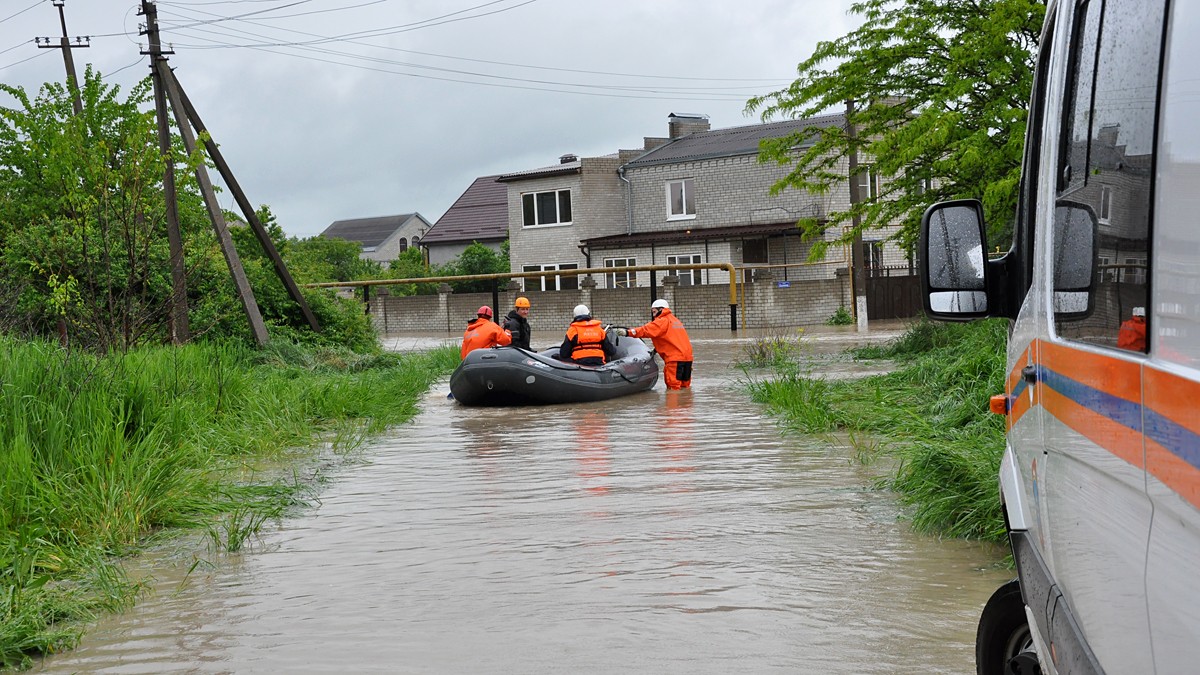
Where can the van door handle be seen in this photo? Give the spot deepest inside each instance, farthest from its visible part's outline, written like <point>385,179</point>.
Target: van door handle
<point>1029,374</point>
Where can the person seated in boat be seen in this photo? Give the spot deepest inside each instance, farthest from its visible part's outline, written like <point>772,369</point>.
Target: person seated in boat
<point>517,323</point>
<point>587,342</point>
<point>482,333</point>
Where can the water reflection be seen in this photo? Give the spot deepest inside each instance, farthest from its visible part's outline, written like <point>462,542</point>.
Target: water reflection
<point>592,450</point>
<point>662,532</point>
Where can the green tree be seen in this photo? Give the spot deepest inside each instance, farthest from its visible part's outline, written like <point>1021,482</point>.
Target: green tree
<point>83,245</point>
<point>410,264</point>
<point>475,259</point>
<point>323,259</point>
<point>941,89</point>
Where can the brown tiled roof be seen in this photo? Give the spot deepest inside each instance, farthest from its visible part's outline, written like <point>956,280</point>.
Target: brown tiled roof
<point>729,142</point>
<point>479,214</point>
<point>705,234</point>
<point>561,169</point>
<point>367,231</point>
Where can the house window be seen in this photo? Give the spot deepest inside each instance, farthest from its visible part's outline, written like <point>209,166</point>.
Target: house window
<point>924,186</point>
<point>868,183</point>
<point>620,279</point>
<point>546,208</point>
<point>1108,272</point>
<point>872,255</point>
<point>555,282</point>
<point>403,242</point>
<point>681,199</point>
<point>1134,271</point>
<point>686,277</point>
<point>1105,204</point>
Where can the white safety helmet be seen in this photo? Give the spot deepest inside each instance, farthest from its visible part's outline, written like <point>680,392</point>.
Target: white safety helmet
<point>582,310</point>
<point>660,304</point>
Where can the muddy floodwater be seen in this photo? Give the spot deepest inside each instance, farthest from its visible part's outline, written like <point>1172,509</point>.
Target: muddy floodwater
<point>664,532</point>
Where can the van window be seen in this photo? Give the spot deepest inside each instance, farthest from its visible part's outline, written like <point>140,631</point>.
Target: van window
<point>1108,159</point>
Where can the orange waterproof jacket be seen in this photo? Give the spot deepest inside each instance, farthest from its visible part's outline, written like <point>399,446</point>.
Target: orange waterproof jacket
<point>586,339</point>
<point>481,334</point>
<point>667,333</point>
<point>1132,334</point>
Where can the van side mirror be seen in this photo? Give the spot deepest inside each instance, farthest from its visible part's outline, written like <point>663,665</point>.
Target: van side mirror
<point>1075,227</point>
<point>953,264</point>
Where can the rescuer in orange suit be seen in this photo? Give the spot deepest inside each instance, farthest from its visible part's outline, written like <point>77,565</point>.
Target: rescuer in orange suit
<point>587,342</point>
<point>671,342</point>
<point>1132,335</point>
<point>482,333</point>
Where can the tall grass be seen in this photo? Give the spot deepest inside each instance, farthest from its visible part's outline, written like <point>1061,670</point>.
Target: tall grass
<point>931,414</point>
<point>98,452</point>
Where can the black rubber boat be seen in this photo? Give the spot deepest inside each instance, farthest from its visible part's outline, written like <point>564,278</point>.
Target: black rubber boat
<point>513,376</point>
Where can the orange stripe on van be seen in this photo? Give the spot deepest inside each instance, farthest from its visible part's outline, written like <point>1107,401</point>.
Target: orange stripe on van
<point>1117,438</point>
<point>1174,398</point>
<point>1112,376</point>
<point>1174,472</point>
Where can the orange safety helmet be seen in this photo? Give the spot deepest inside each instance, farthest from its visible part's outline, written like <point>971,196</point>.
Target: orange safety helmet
<point>521,303</point>
<point>485,311</point>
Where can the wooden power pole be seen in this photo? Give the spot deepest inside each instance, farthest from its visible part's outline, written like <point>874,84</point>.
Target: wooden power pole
<point>180,333</point>
<point>167,86</point>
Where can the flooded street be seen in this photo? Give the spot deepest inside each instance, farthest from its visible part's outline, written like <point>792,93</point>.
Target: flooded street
<point>664,532</point>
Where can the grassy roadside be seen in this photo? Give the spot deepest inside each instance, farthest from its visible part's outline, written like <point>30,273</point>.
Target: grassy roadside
<point>96,454</point>
<point>931,414</point>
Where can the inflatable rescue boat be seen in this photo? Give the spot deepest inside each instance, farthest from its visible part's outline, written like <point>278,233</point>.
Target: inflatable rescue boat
<point>513,376</point>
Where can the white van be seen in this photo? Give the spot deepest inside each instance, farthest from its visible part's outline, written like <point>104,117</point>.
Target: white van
<point>1101,475</point>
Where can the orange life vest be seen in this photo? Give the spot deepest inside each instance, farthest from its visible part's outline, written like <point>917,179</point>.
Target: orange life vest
<point>588,337</point>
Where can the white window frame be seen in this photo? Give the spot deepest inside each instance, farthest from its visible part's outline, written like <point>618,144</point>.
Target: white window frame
<point>687,190</point>
<point>558,195</point>
<point>872,254</point>
<point>867,179</point>
<point>1105,204</point>
<point>550,282</point>
<point>1134,275</point>
<point>1108,274</point>
<point>627,279</point>
<point>687,277</point>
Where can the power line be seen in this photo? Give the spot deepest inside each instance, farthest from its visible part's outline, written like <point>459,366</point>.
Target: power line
<point>712,91</point>
<point>13,16</point>
<point>24,60</point>
<point>321,39</point>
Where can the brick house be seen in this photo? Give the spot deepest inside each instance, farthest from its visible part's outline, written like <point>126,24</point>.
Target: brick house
<point>697,196</point>
<point>479,214</point>
<point>382,238</point>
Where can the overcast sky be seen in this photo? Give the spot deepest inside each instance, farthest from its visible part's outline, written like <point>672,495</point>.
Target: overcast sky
<point>395,106</point>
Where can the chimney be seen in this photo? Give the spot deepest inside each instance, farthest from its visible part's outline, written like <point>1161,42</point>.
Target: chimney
<point>682,124</point>
<point>567,158</point>
<point>1108,134</point>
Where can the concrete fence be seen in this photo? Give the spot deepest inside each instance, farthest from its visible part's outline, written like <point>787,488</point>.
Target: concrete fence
<point>763,303</point>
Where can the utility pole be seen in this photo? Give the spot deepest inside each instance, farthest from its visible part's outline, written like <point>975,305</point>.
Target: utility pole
<point>178,322</point>
<point>859,274</point>
<point>232,260</point>
<point>65,45</point>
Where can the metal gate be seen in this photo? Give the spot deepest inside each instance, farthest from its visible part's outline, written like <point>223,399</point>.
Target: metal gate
<point>893,293</point>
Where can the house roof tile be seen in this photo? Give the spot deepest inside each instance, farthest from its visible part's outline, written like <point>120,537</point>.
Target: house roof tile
<point>367,231</point>
<point>479,214</point>
<point>729,142</point>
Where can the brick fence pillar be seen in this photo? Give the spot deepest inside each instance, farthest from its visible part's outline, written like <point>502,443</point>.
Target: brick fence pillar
<point>443,317</point>
<point>669,284</point>
<point>585,291</point>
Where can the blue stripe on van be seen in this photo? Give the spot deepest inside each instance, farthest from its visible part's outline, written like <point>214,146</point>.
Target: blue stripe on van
<point>1115,408</point>
<point>1179,440</point>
